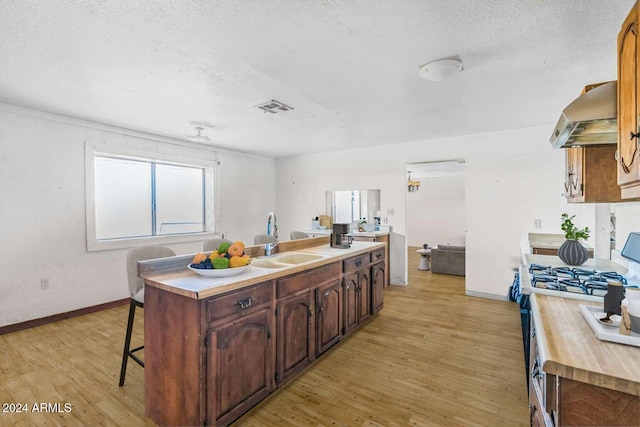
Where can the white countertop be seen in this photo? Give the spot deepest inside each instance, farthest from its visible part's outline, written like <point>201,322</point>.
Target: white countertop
<point>318,232</point>
<point>353,234</point>
<point>550,241</point>
<point>368,233</point>
<point>192,285</point>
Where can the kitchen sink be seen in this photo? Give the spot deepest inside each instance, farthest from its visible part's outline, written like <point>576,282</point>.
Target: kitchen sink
<point>286,259</point>
<point>268,263</point>
<point>297,258</point>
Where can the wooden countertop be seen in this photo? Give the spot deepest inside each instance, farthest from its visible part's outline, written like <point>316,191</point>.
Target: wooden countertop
<point>569,348</point>
<point>189,284</point>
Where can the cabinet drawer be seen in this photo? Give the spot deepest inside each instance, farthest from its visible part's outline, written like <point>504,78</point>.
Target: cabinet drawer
<point>238,301</point>
<point>355,263</point>
<point>307,280</point>
<point>377,255</point>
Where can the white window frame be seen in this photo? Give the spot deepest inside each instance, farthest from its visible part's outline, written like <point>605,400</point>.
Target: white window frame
<point>212,197</point>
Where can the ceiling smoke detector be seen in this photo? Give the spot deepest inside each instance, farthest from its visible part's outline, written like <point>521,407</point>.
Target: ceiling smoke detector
<point>440,70</point>
<point>274,107</point>
<point>199,137</point>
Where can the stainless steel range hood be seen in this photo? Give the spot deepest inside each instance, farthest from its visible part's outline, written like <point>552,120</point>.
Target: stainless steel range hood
<point>591,119</point>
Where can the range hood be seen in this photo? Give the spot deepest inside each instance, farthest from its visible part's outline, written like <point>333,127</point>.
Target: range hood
<point>591,119</point>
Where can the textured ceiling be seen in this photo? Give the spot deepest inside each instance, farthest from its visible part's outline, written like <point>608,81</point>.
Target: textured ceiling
<point>349,68</point>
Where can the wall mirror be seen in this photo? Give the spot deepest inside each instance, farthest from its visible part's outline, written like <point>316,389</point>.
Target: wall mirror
<point>347,206</point>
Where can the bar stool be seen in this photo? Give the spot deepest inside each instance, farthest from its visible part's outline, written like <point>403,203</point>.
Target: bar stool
<point>136,292</point>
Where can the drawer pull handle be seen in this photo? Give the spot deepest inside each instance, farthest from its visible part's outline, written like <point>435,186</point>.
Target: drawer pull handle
<point>245,303</point>
<point>358,263</point>
<point>378,256</point>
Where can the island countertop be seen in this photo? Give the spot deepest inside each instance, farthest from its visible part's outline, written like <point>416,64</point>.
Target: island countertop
<point>569,348</point>
<point>187,283</point>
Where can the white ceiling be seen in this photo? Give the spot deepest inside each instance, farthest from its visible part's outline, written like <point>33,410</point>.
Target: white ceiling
<point>349,68</point>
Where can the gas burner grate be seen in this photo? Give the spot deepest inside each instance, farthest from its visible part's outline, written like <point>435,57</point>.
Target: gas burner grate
<point>543,278</point>
<point>564,270</point>
<point>539,267</point>
<point>571,285</point>
<point>613,276</point>
<point>581,273</point>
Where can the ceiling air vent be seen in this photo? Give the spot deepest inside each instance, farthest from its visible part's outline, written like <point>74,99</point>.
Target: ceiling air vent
<point>274,107</point>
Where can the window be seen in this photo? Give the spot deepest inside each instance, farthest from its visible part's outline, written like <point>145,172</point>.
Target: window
<point>133,199</point>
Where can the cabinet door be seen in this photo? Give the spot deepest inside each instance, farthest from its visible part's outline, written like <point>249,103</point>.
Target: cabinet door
<point>364,295</point>
<point>295,338</point>
<point>328,316</point>
<point>239,366</point>
<point>350,293</point>
<point>628,169</point>
<point>377,288</point>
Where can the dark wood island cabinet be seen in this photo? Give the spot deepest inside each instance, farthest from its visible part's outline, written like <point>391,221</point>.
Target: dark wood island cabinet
<point>212,353</point>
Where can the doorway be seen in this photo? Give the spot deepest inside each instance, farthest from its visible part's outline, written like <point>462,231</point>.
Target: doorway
<point>435,208</point>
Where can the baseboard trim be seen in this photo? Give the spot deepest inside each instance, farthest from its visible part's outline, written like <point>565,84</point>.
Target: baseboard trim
<point>61,316</point>
<point>486,295</point>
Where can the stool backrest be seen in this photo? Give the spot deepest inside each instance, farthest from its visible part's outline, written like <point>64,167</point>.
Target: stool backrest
<point>212,245</point>
<point>140,254</point>
<point>261,239</point>
<point>295,235</point>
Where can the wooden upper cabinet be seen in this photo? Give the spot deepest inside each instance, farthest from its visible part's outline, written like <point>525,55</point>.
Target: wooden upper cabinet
<point>590,175</point>
<point>628,161</point>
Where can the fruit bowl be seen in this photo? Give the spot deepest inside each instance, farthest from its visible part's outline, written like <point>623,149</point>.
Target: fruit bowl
<point>222,272</point>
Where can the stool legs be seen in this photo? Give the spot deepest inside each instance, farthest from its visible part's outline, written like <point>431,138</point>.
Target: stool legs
<point>127,342</point>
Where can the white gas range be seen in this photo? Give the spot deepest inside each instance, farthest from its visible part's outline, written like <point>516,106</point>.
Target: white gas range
<point>547,274</point>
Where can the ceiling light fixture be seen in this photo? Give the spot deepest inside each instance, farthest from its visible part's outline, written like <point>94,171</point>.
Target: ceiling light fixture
<point>199,137</point>
<point>273,107</point>
<point>441,69</point>
<point>412,186</point>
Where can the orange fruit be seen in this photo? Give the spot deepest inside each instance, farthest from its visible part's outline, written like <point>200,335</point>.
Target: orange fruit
<point>214,255</point>
<point>236,250</point>
<point>198,258</point>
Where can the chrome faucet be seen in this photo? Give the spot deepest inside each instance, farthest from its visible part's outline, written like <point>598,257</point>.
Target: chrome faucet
<point>268,247</point>
<point>272,228</point>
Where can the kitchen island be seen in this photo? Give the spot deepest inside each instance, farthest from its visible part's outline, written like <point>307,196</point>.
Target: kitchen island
<point>215,347</point>
<point>574,377</point>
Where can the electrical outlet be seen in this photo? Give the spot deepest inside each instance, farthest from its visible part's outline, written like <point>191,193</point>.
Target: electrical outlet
<point>44,284</point>
<point>537,223</point>
<point>390,211</point>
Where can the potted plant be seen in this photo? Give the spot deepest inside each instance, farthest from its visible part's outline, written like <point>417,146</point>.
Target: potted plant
<point>572,252</point>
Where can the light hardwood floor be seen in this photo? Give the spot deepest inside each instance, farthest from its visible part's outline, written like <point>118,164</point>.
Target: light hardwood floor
<point>432,357</point>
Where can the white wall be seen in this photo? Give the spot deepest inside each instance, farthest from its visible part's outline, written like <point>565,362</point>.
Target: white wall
<point>512,178</point>
<point>436,212</point>
<point>627,220</point>
<point>42,212</point>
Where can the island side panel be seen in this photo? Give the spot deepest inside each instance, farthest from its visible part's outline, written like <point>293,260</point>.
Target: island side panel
<point>173,368</point>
